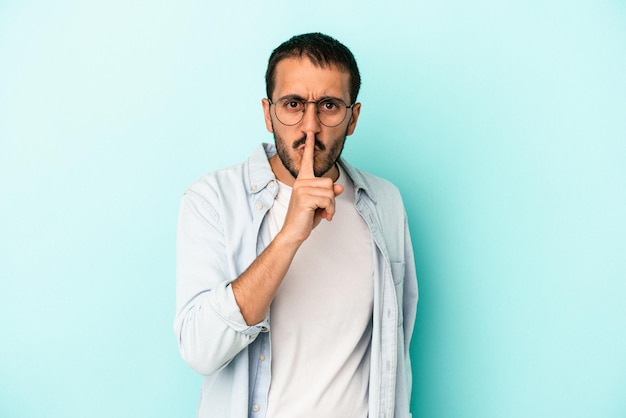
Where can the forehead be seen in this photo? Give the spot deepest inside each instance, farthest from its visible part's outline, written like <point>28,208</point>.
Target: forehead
<point>299,76</point>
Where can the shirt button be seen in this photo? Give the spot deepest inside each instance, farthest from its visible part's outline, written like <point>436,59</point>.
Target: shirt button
<point>388,365</point>
<point>262,357</point>
<point>271,184</point>
<point>253,188</point>
<point>259,206</point>
<point>256,408</point>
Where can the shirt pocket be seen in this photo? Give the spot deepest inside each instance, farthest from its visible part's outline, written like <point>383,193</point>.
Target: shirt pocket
<point>397,272</point>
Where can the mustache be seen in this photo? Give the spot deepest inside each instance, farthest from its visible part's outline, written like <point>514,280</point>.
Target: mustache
<point>318,144</point>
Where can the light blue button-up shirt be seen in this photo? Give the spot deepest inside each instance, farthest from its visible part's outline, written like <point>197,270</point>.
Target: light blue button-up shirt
<point>220,233</point>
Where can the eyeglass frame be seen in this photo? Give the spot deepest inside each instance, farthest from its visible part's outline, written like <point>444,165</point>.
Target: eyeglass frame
<point>315,102</point>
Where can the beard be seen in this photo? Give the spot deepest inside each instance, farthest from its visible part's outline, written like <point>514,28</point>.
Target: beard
<point>320,167</point>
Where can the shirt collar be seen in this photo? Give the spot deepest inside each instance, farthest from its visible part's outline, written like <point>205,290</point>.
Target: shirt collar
<point>260,172</point>
<point>361,184</point>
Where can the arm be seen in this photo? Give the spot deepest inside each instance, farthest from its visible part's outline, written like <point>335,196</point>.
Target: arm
<point>312,200</point>
<point>216,319</point>
<point>409,302</point>
<point>209,327</point>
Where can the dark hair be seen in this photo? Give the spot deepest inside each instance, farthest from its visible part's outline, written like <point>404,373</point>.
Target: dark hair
<point>322,50</point>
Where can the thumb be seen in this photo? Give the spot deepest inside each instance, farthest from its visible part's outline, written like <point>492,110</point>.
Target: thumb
<point>338,189</point>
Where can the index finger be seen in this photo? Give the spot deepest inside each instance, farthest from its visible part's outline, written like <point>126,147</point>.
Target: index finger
<point>306,163</point>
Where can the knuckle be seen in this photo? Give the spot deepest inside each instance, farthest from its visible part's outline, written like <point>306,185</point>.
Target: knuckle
<point>326,182</point>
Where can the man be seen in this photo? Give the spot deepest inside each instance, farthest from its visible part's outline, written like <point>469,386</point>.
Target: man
<point>296,287</point>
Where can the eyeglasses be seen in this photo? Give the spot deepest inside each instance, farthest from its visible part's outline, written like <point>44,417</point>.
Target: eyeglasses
<point>330,111</point>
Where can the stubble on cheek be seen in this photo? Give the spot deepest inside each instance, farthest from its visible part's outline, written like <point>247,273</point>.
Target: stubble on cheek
<point>323,159</point>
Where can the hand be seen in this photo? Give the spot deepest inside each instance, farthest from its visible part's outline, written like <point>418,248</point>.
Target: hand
<point>312,198</point>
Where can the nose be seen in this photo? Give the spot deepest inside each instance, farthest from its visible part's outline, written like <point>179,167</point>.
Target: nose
<point>310,119</point>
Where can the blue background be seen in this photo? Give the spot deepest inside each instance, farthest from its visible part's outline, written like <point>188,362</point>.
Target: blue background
<point>503,124</point>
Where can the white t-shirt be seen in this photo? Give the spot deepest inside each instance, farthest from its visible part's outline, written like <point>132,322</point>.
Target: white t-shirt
<point>321,317</point>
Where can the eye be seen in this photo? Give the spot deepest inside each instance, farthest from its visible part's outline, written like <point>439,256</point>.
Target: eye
<point>329,106</point>
<point>292,105</point>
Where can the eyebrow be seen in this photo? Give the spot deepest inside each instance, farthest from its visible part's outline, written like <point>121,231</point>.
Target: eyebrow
<point>291,97</point>
<point>300,98</point>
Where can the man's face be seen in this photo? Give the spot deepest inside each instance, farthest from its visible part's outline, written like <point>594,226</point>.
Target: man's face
<point>298,77</point>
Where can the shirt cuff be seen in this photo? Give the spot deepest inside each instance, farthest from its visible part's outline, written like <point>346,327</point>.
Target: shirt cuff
<point>223,301</point>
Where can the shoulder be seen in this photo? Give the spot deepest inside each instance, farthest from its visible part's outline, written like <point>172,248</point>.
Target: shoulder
<point>211,186</point>
<point>243,178</point>
<point>378,189</point>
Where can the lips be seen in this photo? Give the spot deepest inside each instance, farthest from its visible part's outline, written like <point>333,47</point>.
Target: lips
<point>299,144</point>
<point>300,150</point>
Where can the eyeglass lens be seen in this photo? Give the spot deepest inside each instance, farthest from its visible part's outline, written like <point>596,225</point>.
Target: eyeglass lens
<point>331,112</point>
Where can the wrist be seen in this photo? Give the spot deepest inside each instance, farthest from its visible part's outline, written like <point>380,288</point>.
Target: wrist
<point>286,242</point>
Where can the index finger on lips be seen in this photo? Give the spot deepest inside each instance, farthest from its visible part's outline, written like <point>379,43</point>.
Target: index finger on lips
<point>306,163</point>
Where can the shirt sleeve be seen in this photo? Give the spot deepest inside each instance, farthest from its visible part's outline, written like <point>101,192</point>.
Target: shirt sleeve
<point>409,302</point>
<point>410,292</point>
<point>209,326</point>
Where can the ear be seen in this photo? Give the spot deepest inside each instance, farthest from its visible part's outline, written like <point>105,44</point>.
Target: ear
<point>268,117</point>
<point>356,110</point>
